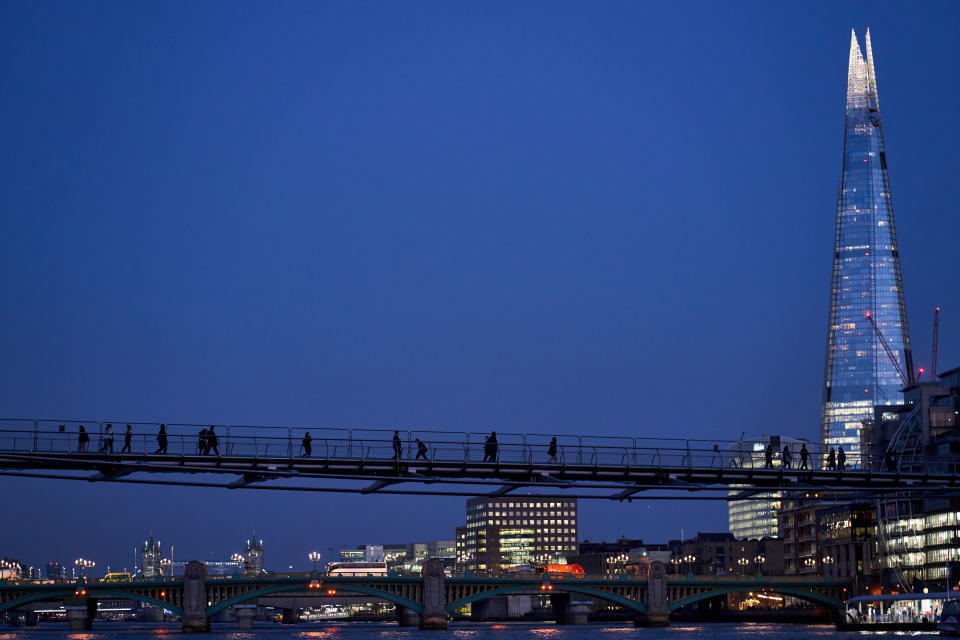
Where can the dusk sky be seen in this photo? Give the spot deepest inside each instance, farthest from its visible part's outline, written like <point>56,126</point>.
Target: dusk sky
<point>577,218</point>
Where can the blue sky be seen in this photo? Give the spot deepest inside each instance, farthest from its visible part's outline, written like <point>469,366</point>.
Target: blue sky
<point>611,218</point>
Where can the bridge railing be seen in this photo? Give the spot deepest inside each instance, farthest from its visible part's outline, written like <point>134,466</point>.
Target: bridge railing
<point>183,439</point>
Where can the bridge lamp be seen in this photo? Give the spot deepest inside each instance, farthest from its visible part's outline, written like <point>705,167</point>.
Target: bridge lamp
<point>314,556</point>
<point>676,561</point>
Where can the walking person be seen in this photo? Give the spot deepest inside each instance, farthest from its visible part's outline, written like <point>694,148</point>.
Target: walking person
<point>127,436</point>
<point>202,443</point>
<point>83,439</point>
<point>804,454</point>
<point>212,442</point>
<point>162,440</point>
<point>421,449</point>
<point>831,459</point>
<point>307,445</point>
<point>106,443</point>
<point>397,445</point>
<point>490,448</point>
<point>552,449</point>
<point>786,458</point>
<point>841,459</point>
<point>768,456</point>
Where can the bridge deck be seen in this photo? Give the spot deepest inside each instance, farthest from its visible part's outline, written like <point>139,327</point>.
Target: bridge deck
<point>615,468</point>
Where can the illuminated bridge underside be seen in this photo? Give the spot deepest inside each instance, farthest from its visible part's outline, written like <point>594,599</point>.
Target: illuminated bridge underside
<point>611,481</point>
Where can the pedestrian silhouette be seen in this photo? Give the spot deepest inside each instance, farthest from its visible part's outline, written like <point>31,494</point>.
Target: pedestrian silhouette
<point>212,442</point>
<point>768,456</point>
<point>83,439</point>
<point>127,435</point>
<point>490,448</point>
<point>841,459</point>
<point>307,446</point>
<point>890,462</point>
<point>202,442</point>
<point>162,440</point>
<point>421,449</point>
<point>803,456</point>
<point>552,449</point>
<point>786,457</point>
<point>831,459</point>
<point>397,445</point>
<point>106,443</point>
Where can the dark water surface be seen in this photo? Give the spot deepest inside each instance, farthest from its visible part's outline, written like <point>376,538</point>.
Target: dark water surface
<point>459,631</point>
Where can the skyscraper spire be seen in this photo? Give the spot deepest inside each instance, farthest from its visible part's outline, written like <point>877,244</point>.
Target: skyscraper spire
<point>866,273</point>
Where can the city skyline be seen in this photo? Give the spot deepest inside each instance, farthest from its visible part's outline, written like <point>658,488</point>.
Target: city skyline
<point>517,218</point>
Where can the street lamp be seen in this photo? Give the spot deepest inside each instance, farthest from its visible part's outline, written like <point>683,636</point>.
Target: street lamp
<point>675,561</point>
<point>314,556</point>
<point>827,560</point>
<point>613,562</point>
<point>810,563</point>
<point>240,559</point>
<point>689,559</point>
<point>742,562</point>
<point>84,564</point>
<point>759,559</point>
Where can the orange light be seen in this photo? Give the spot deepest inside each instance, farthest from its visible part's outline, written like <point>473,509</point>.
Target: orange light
<point>163,594</point>
<point>331,592</point>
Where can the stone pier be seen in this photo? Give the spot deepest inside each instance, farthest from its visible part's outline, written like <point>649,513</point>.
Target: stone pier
<point>569,611</point>
<point>80,612</point>
<point>407,617</point>
<point>290,616</point>
<point>195,619</point>
<point>434,596</point>
<point>245,614</point>
<point>658,614</point>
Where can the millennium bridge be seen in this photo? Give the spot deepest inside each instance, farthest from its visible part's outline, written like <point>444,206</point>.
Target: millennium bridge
<point>427,600</point>
<point>414,461</point>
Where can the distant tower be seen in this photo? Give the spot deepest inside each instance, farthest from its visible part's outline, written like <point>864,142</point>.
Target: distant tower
<point>150,557</point>
<point>254,555</point>
<point>866,273</point>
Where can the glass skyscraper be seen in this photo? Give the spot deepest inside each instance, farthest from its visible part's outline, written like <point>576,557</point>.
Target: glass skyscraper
<point>866,274</point>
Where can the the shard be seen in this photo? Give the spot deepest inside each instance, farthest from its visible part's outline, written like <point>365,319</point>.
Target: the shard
<point>860,370</point>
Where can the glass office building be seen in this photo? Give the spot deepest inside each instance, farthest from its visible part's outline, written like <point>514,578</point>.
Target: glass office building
<point>866,283</point>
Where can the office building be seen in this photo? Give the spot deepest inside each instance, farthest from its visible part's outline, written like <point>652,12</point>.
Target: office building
<point>253,555</point>
<point>507,531</point>
<point>150,558</point>
<point>866,283</point>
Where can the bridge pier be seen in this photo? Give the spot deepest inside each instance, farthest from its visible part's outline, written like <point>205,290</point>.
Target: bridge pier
<point>434,596</point>
<point>290,617</point>
<point>658,614</point>
<point>407,617</point>
<point>80,612</point>
<point>245,614</point>
<point>568,611</point>
<point>195,618</point>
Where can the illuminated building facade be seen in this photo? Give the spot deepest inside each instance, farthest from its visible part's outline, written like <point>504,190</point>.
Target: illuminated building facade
<point>507,531</point>
<point>866,274</point>
<point>253,555</point>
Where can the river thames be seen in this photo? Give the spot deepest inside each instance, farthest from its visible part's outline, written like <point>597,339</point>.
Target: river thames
<point>379,631</point>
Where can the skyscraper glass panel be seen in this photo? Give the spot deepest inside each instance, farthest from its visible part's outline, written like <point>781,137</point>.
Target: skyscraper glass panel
<point>866,283</point>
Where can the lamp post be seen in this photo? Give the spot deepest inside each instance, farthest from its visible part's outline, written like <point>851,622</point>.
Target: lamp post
<point>675,561</point>
<point>759,559</point>
<point>240,559</point>
<point>742,562</point>
<point>614,563</point>
<point>689,559</point>
<point>83,565</point>
<point>810,563</point>
<point>825,560</point>
<point>314,556</point>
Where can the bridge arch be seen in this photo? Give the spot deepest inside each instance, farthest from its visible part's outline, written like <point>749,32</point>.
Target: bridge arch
<point>96,595</point>
<point>286,588</point>
<point>802,594</point>
<point>633,605</point>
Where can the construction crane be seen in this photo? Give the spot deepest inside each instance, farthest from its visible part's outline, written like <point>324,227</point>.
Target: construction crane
<point>936,336</point>
<point>907,380</point>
